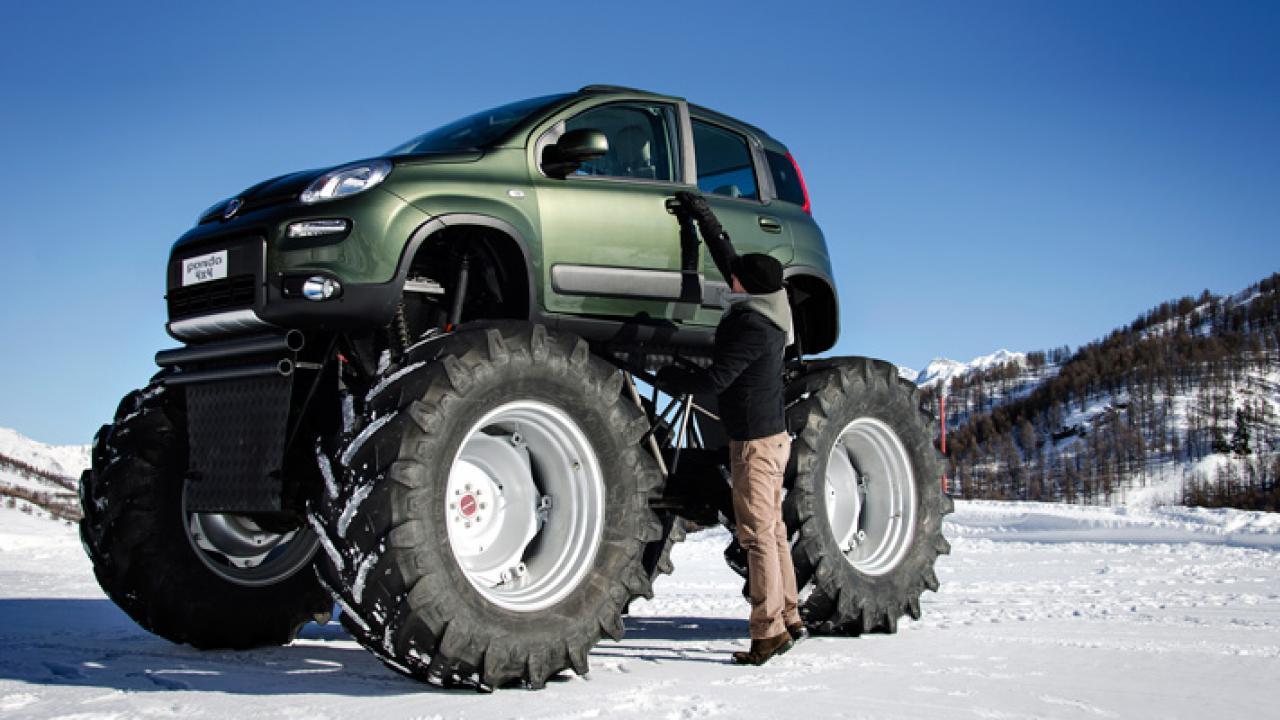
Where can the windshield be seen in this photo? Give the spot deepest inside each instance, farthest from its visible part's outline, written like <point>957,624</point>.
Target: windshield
<point>476,131</point>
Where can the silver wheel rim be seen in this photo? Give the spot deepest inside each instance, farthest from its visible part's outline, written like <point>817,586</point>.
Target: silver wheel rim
<point>870,496</point>
<point>524,505</point>
<point>239,551</point>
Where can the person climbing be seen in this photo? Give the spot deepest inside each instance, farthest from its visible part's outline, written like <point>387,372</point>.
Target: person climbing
<point>746,375</point>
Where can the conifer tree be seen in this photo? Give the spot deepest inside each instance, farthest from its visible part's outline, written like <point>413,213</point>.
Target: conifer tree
<point>1240,438</point>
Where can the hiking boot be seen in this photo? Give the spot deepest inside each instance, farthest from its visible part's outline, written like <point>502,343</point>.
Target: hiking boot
<point>797,632</point>
<point>762,650</point>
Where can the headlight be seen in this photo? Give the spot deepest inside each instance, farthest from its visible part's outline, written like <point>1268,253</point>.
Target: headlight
<point>346,181</point>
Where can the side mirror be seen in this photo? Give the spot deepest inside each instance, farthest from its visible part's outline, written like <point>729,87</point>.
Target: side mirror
<point>574,148</point>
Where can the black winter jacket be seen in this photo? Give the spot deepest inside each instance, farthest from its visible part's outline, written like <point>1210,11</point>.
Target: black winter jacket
<point>745,374</point>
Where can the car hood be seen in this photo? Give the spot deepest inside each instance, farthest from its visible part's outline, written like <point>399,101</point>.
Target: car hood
<point>288,187</point>
<point>268,192</point>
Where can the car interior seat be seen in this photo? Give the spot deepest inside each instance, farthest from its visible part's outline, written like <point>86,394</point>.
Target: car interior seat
<point>631,151</point>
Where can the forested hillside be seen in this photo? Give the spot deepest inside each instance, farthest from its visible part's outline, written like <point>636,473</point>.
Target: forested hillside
<point>25,486</point>
<point>1184,400</point>
<point>39,478</point>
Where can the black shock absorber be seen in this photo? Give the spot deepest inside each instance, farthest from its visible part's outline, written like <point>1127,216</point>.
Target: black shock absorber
<point>460,290</point>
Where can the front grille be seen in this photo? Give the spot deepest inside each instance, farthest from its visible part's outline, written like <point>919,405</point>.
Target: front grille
<point>237,291</point>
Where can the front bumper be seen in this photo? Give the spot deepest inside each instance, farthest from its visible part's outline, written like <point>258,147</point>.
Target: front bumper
<point>259,258</point>
<point>361,306</point>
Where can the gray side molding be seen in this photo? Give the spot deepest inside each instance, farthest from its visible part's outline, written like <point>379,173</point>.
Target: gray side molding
<point>634,283</point>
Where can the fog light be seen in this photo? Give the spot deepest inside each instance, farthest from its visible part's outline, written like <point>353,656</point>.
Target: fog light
<point>316,228</point>
<point>319,288</point>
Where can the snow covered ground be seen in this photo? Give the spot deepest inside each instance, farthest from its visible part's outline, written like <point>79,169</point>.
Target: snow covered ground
<point>1045,611</point>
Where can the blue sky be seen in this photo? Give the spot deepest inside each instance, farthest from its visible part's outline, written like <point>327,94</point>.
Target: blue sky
<point>988,174</point>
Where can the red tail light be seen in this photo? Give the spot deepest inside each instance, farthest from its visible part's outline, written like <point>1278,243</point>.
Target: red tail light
<point>805,188</point>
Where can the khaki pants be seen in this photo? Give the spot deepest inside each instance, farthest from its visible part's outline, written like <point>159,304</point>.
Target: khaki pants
<point>757,470</point>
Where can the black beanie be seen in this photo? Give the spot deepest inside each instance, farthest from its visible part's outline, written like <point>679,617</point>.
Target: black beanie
<point>759,274</point>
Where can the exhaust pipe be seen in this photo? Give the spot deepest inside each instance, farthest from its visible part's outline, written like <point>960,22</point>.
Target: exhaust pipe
<point>283,368</point>
<point>291,341</point>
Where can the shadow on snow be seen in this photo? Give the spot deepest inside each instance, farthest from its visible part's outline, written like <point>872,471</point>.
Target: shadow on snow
<point>92,643</point>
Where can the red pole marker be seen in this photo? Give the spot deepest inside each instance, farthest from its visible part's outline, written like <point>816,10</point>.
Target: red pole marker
<point>942,411</point>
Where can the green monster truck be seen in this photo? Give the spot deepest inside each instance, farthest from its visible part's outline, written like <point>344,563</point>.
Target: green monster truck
<point>408,387</point>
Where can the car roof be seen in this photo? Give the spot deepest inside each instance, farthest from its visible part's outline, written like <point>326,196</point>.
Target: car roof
<point>697,111</point>
<point>618,89</point>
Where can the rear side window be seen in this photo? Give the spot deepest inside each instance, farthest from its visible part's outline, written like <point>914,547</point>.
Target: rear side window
<point>724,162</point>
<point>785,180</point>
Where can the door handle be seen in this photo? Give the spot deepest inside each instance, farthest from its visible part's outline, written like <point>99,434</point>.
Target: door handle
<point>769,224</point>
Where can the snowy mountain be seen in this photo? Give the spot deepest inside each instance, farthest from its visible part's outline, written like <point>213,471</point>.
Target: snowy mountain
<point>1181,405</point>
<point>40,478</point>
<point>64,460</point>
<point>942,371</point>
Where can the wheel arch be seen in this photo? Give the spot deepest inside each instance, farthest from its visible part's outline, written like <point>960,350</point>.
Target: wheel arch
<point>508,244</point>
<point>815,308</point>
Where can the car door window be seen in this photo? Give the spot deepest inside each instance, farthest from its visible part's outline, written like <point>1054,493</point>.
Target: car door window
<point>642,141</point>
<point>724,162</point>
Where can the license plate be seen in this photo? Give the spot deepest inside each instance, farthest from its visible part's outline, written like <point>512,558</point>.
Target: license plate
<point>204,268</point>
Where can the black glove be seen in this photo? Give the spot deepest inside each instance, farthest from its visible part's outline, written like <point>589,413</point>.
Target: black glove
<point>696,207</point>
<point>673,379</point>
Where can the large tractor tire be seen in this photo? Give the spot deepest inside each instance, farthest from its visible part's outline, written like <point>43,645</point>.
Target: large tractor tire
<point>488,508</point>
<point>210,580</point>
<point>656,558</point>
<point>657,555</point>
<point>866,499</point>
